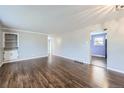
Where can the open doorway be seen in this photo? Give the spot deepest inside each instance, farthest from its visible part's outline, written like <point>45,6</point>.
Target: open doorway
<point>49,45</point>
<point>98,47</point>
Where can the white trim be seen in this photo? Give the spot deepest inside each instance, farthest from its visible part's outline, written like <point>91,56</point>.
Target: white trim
<point>17,60</point>
<point>97,33</point>
<point>108,68</point>
<point>98,55</point>
<point>116,70</point>
<point>71,58</point>
<point>64,57</point>
<point>19,30</point>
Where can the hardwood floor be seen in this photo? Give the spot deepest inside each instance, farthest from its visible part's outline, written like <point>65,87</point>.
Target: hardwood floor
<point>57,72</point>
<point>99,61</point>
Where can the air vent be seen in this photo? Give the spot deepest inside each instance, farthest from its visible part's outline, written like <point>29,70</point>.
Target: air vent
<point>78,61</point>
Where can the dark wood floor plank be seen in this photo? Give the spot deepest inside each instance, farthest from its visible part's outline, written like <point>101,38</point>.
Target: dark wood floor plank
<point>57,72</point>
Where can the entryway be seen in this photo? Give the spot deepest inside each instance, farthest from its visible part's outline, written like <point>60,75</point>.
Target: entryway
<point>98,47</point>
<point>49,45</point>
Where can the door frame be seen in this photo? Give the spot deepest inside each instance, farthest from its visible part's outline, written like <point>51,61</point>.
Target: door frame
<point>96,32</point>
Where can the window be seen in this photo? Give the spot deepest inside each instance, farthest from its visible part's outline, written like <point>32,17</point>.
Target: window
<point>98,41</point>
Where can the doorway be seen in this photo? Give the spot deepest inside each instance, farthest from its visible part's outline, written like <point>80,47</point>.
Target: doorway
<point>49,45</point>
<point>98,48</point>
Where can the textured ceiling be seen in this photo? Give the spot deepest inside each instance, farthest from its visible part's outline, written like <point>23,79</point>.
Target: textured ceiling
<point>53,19</point>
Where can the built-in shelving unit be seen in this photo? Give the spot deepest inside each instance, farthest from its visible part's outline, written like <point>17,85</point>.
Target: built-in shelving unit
<point>10,45</point>
<point>10,41</point>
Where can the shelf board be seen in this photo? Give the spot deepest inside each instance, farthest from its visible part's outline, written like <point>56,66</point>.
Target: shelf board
<point>11,42</point>
<point>9,48</point>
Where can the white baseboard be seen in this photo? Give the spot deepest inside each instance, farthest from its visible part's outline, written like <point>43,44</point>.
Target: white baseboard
<point>17,60</point>
<point>63,57</point>
<point>98,56</point>
<point>109,68</point>
<point>116,70</point>
<point>87,63</point>
<point>70,58</point>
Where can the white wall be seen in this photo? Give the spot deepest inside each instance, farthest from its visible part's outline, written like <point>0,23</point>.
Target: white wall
<point>74,45</point>
<point>115,37</point>
<point>31,45</point>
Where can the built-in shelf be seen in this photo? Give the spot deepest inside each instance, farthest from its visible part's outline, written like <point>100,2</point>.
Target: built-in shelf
<point>10,45</point>
<point>10,40</point>
<point>14,48</point>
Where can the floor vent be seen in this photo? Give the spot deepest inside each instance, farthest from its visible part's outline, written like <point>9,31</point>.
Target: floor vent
<point>78,62</point>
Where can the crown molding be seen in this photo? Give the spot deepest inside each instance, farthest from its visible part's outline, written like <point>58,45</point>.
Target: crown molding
<point>26,31</point>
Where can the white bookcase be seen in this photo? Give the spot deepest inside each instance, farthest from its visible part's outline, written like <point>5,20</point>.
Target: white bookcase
<point>10,45</point>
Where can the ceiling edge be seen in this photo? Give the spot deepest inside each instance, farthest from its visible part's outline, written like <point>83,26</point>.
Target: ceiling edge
<point>19,30</point>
